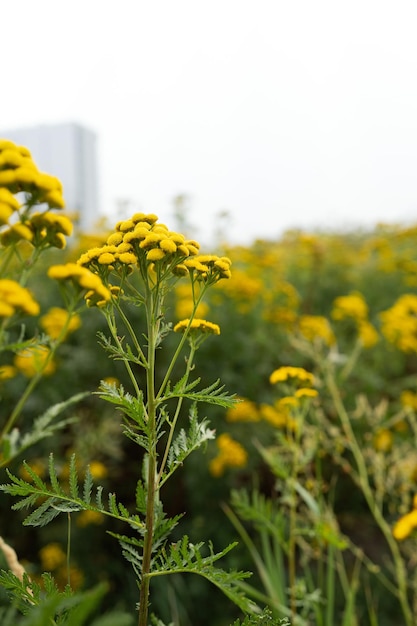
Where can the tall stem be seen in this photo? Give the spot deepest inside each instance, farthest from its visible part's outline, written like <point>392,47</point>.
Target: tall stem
<point>153,316</point>
<point>376,511</point>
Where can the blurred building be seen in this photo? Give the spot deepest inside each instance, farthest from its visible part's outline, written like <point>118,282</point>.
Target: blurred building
<point>68,151</point>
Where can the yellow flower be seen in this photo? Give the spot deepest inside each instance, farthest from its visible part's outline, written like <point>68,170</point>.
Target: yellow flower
<point>305,392</point>
<point>82,277</point>
<point>197,324</point>
<point>231,454</point>
<point>367,334</point>
<point>291,373</point>
<point>314,327</point>
<point>409,399</point>
<point>14,298</point>
<point>278,417</point>
<point>52,556</point>
<point>7,372</point>
<point>405,526</point>
<point>399,323</point>
<point>55,319</point>
<point>98,470</point>
<point>350,306</point>
<point>85,518</point>
<point>383,440</point>
<point>16,232</point>
<point>243,411</point>
<point>32,361</point>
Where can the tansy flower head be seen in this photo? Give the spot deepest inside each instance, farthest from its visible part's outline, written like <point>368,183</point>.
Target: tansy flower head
<point>56,319</point>
<point>31,361</point>
<point>350,306</point>
<point>197,324</point>
<point>289,373</point>
<point>15,298</point>
<point>231,454</point>
<point>82,278</point>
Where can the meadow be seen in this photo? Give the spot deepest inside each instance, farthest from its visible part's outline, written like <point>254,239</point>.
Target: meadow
<point>180,428</point>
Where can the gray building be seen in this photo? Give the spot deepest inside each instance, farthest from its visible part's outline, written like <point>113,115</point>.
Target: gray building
<point>68,151</point>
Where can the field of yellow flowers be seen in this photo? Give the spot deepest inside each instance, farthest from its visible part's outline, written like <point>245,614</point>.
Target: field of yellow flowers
<point>313,471</point>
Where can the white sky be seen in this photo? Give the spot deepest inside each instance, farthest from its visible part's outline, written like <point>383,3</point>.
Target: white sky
<point>287,113</point>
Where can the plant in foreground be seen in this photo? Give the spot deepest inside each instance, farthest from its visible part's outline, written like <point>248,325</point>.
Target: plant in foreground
<point>29,226</point>
<point>137,267</point>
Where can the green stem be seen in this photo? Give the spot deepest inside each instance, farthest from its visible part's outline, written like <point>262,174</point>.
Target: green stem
<point>113,329</point>
<point>363,480</point>
<point>153,316</point>
<point>180,346</point>
<point>175,418</point>
<point>131,333</point>
<point>35,380</point>
<point>69,551</point>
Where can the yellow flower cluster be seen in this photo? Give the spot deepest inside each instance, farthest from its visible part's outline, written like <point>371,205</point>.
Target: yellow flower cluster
<point>33,360</point>
<point>231,454</point>
<point>55,319</point>
<point>243,411</point>
<point>354,307</point>
<point>289,373</point>
<point>14,298</point>
<point>52,556</point>
<point>399,323</point>
<point>316,327</point>
<point>18,172</point>
<point>350,306</point>
<point>406,524</point>
<point>383,440</point>
<point>81,278</point>
<point>197,324</point>
<point>142,241</point>
<point>8,205</point>
<point>409,399</point>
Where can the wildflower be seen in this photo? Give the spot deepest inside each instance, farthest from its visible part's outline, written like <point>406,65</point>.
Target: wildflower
<point>33,360</point>
<point>298,374</point>
<point>209,268</point>
<point>55,319</point>
<point>306,392</point>
<point>18,172</point>
<point>383,440</point>
<point>15,298</point>
<point>52,556</point>
<point>197,324</point>
<point>316,327</point>
<point>82,278</point>
<point>98,470</point>
<point>278,417</point>
<point>7,372</point>
<point>409,399</point>
<point>351,306</point>
<point>399,323</point>
<point>243,411</point>
<point>85,518</point>
<point>405,525</point>
<point>14,234</point>
<point>231,454</point>
<point>367,334</point>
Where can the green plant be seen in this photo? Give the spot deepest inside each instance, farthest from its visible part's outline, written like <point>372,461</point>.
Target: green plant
<point>138,267</point>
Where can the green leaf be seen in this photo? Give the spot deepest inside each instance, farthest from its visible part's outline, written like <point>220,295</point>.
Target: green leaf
<point>185,557</point>
<point>186,442</point>
<point>211,395</point>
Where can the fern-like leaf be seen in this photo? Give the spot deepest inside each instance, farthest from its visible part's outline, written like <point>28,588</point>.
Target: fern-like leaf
<point>213,394</point>
<point>186,442</point>
<point>185,557</point>
<point>52,499</point>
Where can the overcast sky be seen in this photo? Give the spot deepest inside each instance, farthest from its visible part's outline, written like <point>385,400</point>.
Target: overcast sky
<point>284,113</point>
